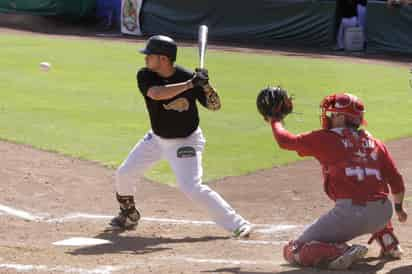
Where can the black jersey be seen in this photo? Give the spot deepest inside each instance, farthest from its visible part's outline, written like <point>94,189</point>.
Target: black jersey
<point>176,117</point>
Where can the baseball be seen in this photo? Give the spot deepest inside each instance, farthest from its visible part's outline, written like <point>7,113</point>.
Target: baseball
<point>45,66</point>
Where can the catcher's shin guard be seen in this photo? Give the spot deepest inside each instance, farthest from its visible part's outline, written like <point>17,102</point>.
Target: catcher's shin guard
<point>312,253</point>
<point>129,216</point>
<point>388,242</point>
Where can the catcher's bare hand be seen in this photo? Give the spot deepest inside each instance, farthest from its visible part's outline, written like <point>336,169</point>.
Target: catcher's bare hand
<point>402,215</point>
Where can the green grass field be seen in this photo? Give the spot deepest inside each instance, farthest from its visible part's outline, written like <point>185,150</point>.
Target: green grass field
<point>88,105</point>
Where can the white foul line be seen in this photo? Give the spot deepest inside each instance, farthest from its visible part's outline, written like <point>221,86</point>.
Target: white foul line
<point>221,261</point>
<point>275,228</point>
<point>108,217</point>
<point>108,269</point>
<point>64,269</point>
<point>264,228</point>
<point>5,210</point>
<point>255,242</point>
<point>19,213</point>
<point>175,221</point>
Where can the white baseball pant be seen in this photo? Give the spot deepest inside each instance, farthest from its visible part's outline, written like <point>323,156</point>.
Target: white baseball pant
<point>185,158</point>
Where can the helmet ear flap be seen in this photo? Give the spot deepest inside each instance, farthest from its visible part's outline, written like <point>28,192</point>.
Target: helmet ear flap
<point>325,121</point>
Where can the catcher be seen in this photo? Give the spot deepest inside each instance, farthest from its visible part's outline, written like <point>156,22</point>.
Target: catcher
<point>358,172</point>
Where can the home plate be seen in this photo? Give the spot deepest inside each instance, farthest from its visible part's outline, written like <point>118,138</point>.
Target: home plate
<point>81,241</point>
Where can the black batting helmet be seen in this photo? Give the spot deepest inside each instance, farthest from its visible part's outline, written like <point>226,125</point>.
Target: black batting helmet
<point>161,45</point>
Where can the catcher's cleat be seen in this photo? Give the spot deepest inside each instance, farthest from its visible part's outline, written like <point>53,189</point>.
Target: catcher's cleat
<point>351,255</point>
<point>243,231</point>
<point>394,252</point>
<point>389,243</point>
<point>127,219</point>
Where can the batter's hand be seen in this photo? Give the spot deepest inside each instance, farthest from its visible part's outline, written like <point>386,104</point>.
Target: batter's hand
<point>203,71</point>
<point>200,78</point>
<point>402,215</point>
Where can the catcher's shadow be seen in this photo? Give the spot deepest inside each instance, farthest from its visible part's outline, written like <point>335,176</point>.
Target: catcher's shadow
<point>406,269</point>
<point>366,266</point>
<point>135,244</point>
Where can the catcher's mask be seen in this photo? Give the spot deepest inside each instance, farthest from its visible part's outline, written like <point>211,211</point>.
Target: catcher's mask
<point>266,100</point>
<point>349,105</point>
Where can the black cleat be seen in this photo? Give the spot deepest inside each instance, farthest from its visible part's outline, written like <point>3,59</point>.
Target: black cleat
<point>127,219</point>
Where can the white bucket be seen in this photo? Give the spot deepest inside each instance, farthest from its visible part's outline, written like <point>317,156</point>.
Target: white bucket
<point>353,39</point>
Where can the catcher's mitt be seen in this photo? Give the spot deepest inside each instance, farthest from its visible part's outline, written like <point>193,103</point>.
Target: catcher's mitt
<point>274,103</point>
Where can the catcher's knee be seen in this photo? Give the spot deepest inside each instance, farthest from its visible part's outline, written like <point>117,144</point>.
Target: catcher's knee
<point>312,253</point>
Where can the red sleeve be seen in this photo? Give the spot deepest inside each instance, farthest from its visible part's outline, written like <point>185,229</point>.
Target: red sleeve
<point>391,174</point>
<point>306,144</point>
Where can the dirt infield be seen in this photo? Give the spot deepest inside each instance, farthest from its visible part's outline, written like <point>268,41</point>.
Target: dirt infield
<point>46,198</point>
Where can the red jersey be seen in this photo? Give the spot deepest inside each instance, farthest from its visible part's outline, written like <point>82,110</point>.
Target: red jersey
<point>355,165</point>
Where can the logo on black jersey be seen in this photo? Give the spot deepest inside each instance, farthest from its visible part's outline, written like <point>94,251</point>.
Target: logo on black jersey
<point>180,105</point>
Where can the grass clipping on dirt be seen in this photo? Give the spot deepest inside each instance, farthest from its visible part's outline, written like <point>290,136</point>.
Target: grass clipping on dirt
<point>88,105</point>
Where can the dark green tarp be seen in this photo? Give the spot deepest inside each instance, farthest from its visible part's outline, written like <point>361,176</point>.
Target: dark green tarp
<point>268,22</point>
<point>389,28</point>
<point>65,8</point>
<point>291,23</point>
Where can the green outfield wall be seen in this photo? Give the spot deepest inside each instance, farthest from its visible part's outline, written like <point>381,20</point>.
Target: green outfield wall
<point>276,22</point>
<point>267,23</point>
<point>66,8</point>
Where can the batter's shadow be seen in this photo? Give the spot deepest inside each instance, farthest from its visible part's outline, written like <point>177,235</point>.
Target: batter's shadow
<point>406,269</point>
<point>135,244</point>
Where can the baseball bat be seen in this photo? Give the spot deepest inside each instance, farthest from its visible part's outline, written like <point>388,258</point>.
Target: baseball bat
<point>202,43</point>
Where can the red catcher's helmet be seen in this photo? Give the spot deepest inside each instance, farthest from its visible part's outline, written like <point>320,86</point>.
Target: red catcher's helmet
<point>350,105</point>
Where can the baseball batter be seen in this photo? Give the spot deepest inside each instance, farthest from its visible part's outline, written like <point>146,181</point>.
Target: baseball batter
<point>358,171</point>
<point>171,93</point>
